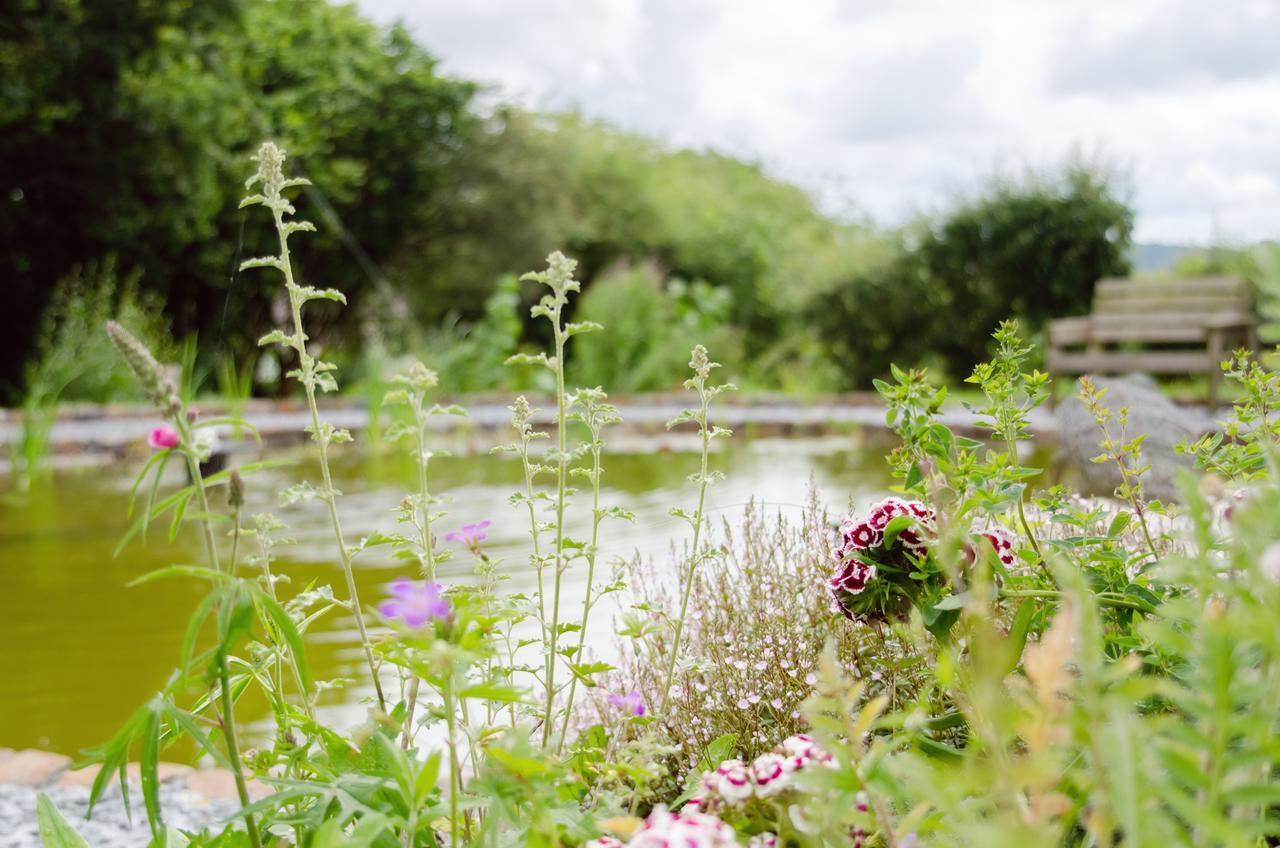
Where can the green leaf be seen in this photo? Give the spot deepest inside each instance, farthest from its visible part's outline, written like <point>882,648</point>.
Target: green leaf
<point>181,571</point>
<point>718,751</point>
<point>55,832</point>
<point>289,631</point>
<point>1119,523</point>
<point>148,764</point>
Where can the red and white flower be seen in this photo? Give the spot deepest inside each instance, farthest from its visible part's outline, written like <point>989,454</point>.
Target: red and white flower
<point>663,829</point>
<point>733,781</point>
<point>1001,540</point>
<point>853,577</point>
<point>769,772</point>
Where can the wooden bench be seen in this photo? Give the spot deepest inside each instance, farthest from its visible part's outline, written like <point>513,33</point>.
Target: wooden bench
<point>1175,327</point>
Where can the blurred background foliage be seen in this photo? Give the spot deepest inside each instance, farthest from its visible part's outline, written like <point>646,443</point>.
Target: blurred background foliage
<point>125,127</point>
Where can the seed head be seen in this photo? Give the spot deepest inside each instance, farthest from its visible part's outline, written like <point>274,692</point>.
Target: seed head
<point>148,371</point>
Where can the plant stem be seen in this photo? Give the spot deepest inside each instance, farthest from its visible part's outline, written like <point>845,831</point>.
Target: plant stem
<point>233,750</point>
<point>591,570</point>
<point>1103,598</point>
<point>424,540</point>
<point>455,772</point>
<point>307,367</point>
<point>197,481</point>
<point>562,462</point>
<point>693,558</point>
<point>283,647</point>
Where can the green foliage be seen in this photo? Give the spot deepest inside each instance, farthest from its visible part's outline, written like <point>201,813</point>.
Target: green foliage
<point>1067,672</point>
<point>653,323</point>
<point>126,126</point>
<point>1260,265</point>
<point>55,831</point>
<point>1032,249</point>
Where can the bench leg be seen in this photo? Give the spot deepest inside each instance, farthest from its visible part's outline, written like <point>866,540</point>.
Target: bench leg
<point>1215,367</point>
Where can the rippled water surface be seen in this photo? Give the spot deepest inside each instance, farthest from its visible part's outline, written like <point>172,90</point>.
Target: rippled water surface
<point>81,650</point>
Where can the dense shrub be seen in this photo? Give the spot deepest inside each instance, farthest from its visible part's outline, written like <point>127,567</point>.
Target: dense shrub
<point>658,321</point>
<point>127,120</point>
<point>1032,249</point>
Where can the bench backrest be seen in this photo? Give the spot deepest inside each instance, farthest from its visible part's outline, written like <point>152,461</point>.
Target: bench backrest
<point>1203,296</point>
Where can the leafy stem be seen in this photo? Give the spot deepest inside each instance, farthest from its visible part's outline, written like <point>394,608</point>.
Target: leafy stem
<point>311,372</point>
<point>702,366</point>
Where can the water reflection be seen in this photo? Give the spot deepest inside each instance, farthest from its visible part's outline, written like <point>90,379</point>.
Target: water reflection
<point>81,650</point>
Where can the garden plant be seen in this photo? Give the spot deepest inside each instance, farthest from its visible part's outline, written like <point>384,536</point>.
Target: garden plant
<point>972,660</point>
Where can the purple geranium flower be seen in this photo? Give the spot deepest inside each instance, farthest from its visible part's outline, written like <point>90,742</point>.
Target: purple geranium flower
<point>414,603</point>
<point>470,535</point>
<point>631,703</point>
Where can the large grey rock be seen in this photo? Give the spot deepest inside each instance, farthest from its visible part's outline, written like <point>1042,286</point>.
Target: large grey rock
<point>1165,423</point>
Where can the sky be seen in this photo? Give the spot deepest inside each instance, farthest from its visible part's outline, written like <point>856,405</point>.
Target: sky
<point>890,108</point>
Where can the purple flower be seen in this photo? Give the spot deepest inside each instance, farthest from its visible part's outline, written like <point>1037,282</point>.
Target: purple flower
<point>163,436</point>
<point>470,535</point>
<point>631,703</point>
<point>414,603</point>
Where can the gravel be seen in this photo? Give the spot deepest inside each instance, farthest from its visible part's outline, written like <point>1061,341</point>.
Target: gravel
<point>110,827</point>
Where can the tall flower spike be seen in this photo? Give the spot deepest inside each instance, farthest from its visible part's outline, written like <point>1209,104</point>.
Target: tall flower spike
<point>148,371</point>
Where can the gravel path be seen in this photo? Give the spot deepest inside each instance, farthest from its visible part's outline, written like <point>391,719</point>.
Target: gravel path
<point>110,827</point>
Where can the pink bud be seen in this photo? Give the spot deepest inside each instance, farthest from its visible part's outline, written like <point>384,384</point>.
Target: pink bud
<point>163,436</point>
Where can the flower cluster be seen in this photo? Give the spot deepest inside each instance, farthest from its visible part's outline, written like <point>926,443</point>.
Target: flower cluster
<point>889,541</point>
<point>664,829</point>
<point>734,781</point>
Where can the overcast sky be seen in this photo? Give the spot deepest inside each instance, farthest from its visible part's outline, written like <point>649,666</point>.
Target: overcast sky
<point>893,107</point>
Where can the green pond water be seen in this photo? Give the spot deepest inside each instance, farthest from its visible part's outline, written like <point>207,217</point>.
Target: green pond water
<point>80,650</point>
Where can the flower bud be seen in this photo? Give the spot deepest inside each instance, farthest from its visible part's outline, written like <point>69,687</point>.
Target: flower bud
<point>235,489</point>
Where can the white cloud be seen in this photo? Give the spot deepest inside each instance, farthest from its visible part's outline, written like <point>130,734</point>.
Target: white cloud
<point>898,106</point>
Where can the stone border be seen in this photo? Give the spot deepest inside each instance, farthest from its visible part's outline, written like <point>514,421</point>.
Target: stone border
<point>36,769</point>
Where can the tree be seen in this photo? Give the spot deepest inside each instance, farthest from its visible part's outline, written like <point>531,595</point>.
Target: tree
<point>131,130</point>
<point>1032,249</point>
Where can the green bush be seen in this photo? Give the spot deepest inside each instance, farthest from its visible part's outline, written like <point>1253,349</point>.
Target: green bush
<point>1030,248</point>
<point>656,322</point>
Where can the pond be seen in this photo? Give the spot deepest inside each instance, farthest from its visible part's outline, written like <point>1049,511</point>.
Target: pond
<point>82,650</point>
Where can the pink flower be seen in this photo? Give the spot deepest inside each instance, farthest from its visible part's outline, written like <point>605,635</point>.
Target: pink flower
<point>768,772</point>
<point>415,604</point>
<point>663,829</point>
<point>801,751</point>
<point>163,436</point>
<point>733,781</point>
<point>764,840</point>
<point>1002,541</point>
<point>631,703</point>
<point>853,577</point>
<point>864,535</point>
<point>470,535</point>
<point>604,842</point>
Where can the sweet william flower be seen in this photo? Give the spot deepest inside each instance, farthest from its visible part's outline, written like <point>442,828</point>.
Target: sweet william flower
<point>663,829</point>
<point>733,781</point>
<point>415,604</point>
<point>764,840</point>
<point>162,437</point>
<point>768,771</point>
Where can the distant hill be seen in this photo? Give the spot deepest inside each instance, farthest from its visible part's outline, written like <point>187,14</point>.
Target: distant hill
<point>1157,257</point>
